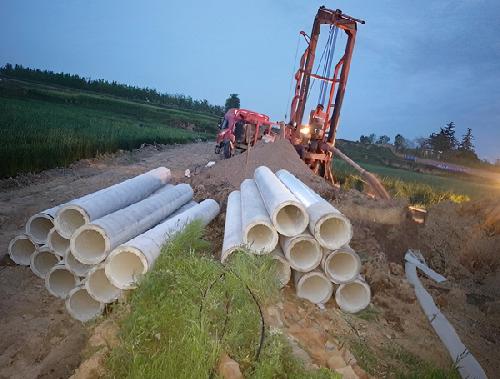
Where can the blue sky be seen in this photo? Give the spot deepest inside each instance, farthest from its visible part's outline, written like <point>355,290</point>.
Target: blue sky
<point>416,65</point>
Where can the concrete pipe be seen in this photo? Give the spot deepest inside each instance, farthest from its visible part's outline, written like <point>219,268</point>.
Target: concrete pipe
<point>42,260</point>
<point>127,263</point>
<point>99,287</point>
<point>342,265</point>
<point>86,209</point>
<point>59,281</point>
<point>258,232</point>
<point>354,296</point>
<point>233,236</point>
<point>288,215</point>
<point>91,243</point>
<point>20,249</point>
<point>40,224</point>
<point>303,251</point>
<point>313,286</point>
<point>58,243</point>
<point>75,266</point>
<point>330,227</point>
<point>81,306</point>
<point>283,269</point>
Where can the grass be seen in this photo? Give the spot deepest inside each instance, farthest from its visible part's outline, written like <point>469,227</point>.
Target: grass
<point>190,309</point>
<point>41,128</point>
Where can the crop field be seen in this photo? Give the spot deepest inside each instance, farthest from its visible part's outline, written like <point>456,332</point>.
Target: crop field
<point>42,128</point>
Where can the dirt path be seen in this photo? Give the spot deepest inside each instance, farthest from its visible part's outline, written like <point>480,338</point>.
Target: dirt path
<point>39,339</point>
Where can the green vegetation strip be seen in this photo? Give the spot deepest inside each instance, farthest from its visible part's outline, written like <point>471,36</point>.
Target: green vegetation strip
<point>190,309</point>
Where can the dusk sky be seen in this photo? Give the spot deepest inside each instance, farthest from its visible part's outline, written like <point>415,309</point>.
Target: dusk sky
<point>417,64</point>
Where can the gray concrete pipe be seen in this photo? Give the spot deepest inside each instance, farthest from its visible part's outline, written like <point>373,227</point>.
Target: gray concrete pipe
<point>99,287</point>
<point>81,306</point>
<point>20,249</point>
<point>303,252</point>
<point>40,224</point>
<point>58,243</point>
<point>313,286</point>
<point>283,269</point>
<point>354,296</point>
<point>42,260</point>
<point>59,281</point>
<point>75,266</point>
<point>342,265</point>
<point>233,236</point>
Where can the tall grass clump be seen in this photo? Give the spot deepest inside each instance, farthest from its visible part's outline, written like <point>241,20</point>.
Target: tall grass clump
<point>190,309</point>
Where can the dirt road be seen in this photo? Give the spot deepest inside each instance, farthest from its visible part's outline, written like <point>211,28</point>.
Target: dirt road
<point>38,338</point>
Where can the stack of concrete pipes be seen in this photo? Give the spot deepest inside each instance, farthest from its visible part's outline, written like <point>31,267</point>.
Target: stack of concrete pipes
<point>278,214</point>
<point>91,249</point>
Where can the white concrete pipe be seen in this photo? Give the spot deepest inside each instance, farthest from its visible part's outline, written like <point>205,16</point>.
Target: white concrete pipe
<point>353,297</point>
<point>75,266</point>
<point>58,243</point>
<point>288,214</point>
<point>91,243</point>
<point>42,260</point>
<point>20,249</point>
<point>342,265</point>
<point>127,263</point>
<point>330,227</point>
<point>283,269</point>
<point>233,236</point>
<point>99,287</point>
<point>313,286</point>
<point>258,233</point>
<point>59,281</point>
<point>81,306</point>
<point>302,251</point>
<point>40,224</point>
<point>93,206</point>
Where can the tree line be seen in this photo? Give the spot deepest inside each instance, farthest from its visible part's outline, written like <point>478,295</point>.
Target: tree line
<point>111,88</point>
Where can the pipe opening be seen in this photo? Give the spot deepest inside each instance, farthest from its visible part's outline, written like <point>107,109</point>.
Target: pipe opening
<point>38,227</point>
<point>42,262</point>
<point>334,232</point>
<point>125,268</point>
<point>315,288</point>
<point>60,281</point>
<point>75,266</point>
<point>90,246</point>
<point>342,267</point>
<point>69,220</point>
<point>58,243</point>
<point>100,288</point>
<point>261,237</point>
<point>81,305</point>
<point>305,255</point>
<point>20,250</point>
<point>353,297</point>
<point>290,220</point>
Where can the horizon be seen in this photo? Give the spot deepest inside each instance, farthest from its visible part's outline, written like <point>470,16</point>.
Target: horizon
<point>386,80</point>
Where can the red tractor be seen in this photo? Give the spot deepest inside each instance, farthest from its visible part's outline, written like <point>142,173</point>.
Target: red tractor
<point>240,129</point>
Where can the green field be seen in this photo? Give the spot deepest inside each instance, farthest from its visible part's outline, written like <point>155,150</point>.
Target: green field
<point>43,127</point>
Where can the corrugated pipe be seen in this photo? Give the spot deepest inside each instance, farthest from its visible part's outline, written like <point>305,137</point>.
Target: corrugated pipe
<point>86,209</point>
<point>91,243</point>
<point>20,249</point>
<point>313,286</point>
<point>233,237</point>
<point>288,214</point>
<point>353,297</point>
<point>42,260</point>
<point>342,265</point>
<point>99,287</point>
<point>75,266</point>
<point>58,243</point>
<point>283,269</point>
<point>330,227</point>
<point>40,224</point>
<point>302,251</point>
<point>59,281</point>
<point>127,263</point>
<point>258,232</point>
<point>81,306</point>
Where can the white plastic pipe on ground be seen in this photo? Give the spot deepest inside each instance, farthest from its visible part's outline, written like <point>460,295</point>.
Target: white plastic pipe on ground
<point>233,237</point>
<point>99,287</point>
<point>91,243</point>
<point>59,281</point>
<point>20,249</point>
<point>342,265</point>
<point>40,224</point>
<point>93,206</point>
<point>129,262</point>
<point>42,260</point>
<point>353,297</point>
<point>258,232</point>
<point>75,266</point>
<point>82,306</point>
<point>283,269</point>
<point>330,227</point>
<point>302,251</point>
<point>287,213</point>
<point>57,243</point>
<point>313,286</point>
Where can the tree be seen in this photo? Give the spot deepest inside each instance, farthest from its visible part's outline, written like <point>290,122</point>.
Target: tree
<point>382,140</point>
<point>233,101</point>
<point>445,140</point>
<point>466,144</point>
<point>399,142</point>
<point>364,139</point>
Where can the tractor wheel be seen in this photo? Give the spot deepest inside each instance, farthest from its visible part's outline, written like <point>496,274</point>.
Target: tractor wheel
<point>217,149</point>
<point>227,149</point>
